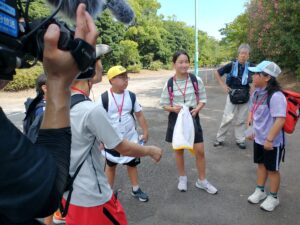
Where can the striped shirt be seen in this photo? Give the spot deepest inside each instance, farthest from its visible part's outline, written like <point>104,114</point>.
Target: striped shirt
<point>190,97</point>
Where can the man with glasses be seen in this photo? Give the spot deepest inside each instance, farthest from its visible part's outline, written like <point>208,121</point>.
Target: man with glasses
<point>237,89</point>
<point>121,106</point>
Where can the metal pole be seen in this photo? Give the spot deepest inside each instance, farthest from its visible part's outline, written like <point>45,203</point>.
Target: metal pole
<point>196,40</point>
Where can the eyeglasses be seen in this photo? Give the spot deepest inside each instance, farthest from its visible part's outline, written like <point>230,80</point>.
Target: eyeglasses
<point>257,73</point>
<point>123,77</point>
<point>261,74</point>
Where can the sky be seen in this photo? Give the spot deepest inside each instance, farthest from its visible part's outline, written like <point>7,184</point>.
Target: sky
<point>212,14</point>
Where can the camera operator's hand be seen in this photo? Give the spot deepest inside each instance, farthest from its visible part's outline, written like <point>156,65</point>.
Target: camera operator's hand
<point>61,69</point>
<point>58,63</point>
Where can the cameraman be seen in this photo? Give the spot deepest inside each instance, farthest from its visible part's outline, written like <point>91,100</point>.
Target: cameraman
<point>33,176</point>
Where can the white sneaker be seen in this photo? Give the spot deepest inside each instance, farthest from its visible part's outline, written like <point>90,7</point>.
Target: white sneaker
<point>270,203</point>
<point>205,185</point>
<point>182,184</point>
<point>257,196</point>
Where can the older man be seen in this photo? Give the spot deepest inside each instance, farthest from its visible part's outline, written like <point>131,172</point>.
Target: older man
<point>237,88</point>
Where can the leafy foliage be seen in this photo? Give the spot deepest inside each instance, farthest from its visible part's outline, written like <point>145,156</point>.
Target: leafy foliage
<point>155,65</point>
<point>24,79</point>
<point>136,68</point>
<point>129,53</point>
<point>150,43</point>
<point>271,27</point>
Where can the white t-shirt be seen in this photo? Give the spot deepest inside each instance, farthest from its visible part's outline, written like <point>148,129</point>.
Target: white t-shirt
<point>90,126</point>
<point>124,124</point>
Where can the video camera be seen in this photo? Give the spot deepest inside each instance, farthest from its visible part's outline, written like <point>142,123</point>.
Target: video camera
<point>22,40</point>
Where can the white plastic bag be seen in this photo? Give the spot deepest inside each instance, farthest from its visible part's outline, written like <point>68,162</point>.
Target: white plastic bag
<point>184,131</point>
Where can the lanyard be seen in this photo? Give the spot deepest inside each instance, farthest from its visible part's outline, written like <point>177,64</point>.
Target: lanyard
<point>182,92</point>
<point>120,109</point>
<point>256,105</point>
<point>79,90</point>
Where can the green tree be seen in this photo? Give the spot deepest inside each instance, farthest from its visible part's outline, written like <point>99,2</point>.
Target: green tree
<point>129,53</point>
<point>110,33</point>
<point>37,9</point>
<point>236,33</point>
<point>148,31</point>
<point>271,27</point>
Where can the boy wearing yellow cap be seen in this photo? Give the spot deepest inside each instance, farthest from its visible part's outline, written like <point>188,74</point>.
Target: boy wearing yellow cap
<point>121,106</point>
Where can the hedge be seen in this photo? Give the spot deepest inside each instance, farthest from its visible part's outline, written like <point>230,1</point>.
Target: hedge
<point>24,78</point>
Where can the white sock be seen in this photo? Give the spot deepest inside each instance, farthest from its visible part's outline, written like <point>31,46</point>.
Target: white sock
<point>182,177</point>
<point>202,181</point>
<point>135,188</point>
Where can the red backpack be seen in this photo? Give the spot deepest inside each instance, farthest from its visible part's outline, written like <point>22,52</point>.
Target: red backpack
<point>292,110</point>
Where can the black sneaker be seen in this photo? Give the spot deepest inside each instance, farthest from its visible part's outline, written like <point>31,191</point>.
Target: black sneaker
<point>218,143</point>
<point>143,197</point>
<point>241,145</point>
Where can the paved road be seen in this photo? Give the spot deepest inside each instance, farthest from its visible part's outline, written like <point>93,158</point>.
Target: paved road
<point>230,169</point>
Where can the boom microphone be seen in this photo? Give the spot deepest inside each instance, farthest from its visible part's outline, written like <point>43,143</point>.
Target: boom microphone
<point>119,8</point>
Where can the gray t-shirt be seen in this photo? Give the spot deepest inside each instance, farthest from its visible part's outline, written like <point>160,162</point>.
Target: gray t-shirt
<point>90,126</point>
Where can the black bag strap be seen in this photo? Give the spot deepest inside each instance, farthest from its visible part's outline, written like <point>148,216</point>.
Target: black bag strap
<point>104,98</point>
<point>133,99</point>
<point>170,90</point>
<point>30,109</point>
<point>269,99</point>
<point>75,99</point>
<point>283,134</point>
<point>31,104</point>
<point>283,146</point>
<point>64,210</point>
<point>195,85</point>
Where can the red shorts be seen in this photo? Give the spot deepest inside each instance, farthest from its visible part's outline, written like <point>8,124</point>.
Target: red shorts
<point>110,213</point>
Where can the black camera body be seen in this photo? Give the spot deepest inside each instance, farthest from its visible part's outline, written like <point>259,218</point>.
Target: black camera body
<point>22,42</point>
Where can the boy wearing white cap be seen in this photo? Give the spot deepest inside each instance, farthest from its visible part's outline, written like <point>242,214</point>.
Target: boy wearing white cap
<point>121,106</point>
<point>267,118</point>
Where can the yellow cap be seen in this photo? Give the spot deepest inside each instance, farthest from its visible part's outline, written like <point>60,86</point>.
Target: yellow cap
<point>115,71</point>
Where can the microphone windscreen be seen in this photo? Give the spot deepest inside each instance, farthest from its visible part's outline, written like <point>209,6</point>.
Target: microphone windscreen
<point>69,7</point>
<point>121,10</point>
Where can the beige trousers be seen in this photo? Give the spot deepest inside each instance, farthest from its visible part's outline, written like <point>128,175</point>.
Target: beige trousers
<point>239,114</point>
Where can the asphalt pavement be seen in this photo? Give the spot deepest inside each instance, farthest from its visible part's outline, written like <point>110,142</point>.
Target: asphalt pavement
<point>230,169</point>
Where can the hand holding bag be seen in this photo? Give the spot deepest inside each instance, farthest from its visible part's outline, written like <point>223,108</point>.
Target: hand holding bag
<point>184,131</point>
